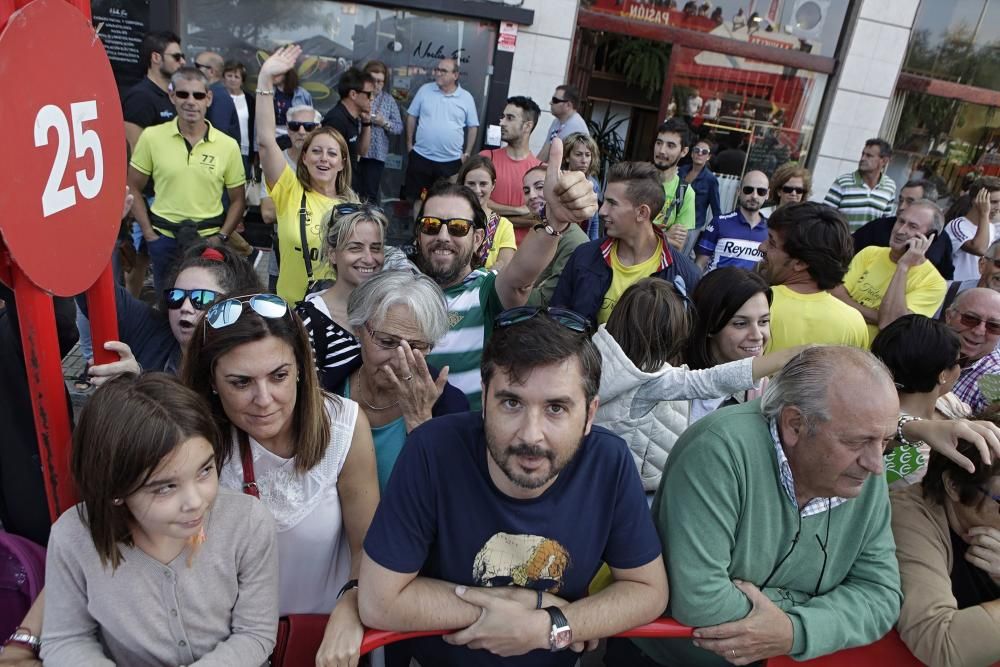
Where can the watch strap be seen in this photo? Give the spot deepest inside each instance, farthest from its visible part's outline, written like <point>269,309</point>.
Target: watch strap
<point>24,638</point>
<point>559,622</point>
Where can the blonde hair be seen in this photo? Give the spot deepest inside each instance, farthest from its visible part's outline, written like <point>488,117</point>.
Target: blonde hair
<point>591,145</point>
<point>343,181</point>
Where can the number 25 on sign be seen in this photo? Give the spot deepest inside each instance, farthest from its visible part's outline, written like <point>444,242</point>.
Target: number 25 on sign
<point>83,141</point>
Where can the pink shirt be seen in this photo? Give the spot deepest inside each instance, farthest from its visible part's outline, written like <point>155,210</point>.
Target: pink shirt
<point>510,188</point>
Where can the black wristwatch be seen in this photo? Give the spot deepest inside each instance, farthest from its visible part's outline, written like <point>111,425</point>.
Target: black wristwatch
<point>223,236</point>
<point>560,634</point>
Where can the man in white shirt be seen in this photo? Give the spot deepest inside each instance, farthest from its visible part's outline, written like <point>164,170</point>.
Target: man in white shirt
<point>971,236</point>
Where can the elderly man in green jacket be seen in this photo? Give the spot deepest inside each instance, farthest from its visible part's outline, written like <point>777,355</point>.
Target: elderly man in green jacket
<point>774,519</point>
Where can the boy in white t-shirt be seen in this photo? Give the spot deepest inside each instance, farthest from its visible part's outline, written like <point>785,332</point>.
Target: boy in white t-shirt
<point>972,236</point>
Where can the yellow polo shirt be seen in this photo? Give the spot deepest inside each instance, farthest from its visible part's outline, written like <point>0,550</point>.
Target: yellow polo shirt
<point>188,181</point>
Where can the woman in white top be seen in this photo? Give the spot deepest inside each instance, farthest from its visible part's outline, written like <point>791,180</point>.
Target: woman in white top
<point>234,75</point>
<point>645,388</point>
<point>309,454</point>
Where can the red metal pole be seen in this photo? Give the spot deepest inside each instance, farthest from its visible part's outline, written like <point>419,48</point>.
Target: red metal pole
<point>48,390</point>
<point>103,315</point>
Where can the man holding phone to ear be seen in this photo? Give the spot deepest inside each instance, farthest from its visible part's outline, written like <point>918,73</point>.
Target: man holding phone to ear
<point>884,284</point>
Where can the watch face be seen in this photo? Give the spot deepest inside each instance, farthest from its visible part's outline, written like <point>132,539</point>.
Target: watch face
<point>561,637</point>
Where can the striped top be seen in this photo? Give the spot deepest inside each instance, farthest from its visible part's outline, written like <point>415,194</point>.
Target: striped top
<point>860,204</point>
<point>334,348</point>
<point>472,305</point>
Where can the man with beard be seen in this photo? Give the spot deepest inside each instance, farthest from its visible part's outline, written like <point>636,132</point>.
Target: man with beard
<point>806,254</point>
<point>495,523</point>
<point>883,284</point>
<point>673,140</point>
<point>975,317</point>
<point>450,229</point>
<point>734,239</point>
<point>513,161</point>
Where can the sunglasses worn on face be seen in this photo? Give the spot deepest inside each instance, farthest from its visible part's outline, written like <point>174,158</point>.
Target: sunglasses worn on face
<point>200,298</point>
<point>986,492</point>
<point>456,226</point>
<point>176,56</point>
<point>789,190</point>
<point>973,321</point>
<point>388,341</point>
<point>228,311</point>
<point>369,93</point>
<point>570,319</point>
<point>701,151</point>
<point>556,100</point>
<point>749,190</point>
<point>184,94</point>
<point>295,126</point>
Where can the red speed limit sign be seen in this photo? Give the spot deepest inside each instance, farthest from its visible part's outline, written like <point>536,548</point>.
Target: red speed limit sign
<point>62,165</point>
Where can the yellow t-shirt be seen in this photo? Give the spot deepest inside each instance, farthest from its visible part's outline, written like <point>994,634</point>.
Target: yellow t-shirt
<point>870,273</point>
<point>822,318</point>
<point>287,197</point>
<point>503,238</point>
<point>622,277</point>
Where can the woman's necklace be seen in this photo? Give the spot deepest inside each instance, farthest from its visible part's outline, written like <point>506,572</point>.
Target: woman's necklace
<point>365,401</point>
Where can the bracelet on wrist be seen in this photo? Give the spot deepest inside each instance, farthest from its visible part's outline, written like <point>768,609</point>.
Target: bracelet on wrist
<point>350,585</point>
<point>265,92</point>
<point>903,421</point>
<point>24,638</point>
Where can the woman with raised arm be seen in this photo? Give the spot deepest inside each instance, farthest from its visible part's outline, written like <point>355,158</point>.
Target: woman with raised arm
<point>304,196</point>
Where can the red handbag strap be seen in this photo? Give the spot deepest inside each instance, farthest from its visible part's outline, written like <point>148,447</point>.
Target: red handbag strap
<point>246,456</point>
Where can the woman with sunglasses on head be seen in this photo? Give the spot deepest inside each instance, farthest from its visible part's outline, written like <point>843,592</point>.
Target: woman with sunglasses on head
<point>479,175</point>
<point>398,317</point>
<point>304,195</point>
<point>646,388</point>
<point>947,533</point>
<point>705,184</point>
<point>307,454</point>
<point>155,340</point>
<point>354,247</point>
<point>790,184</point>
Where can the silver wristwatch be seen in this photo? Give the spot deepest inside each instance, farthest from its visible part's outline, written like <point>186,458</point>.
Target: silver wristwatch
<point>24,638</point>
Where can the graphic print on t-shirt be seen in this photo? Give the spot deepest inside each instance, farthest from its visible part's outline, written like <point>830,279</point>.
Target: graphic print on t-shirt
<point>528,561</point>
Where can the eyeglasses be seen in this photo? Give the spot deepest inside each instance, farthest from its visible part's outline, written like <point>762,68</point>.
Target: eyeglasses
<point>570,319</point>
<point>749,190</point>
<point>791,190</point>
<point>388,341</point>
<point>227,312</point>
<point>701,151</point>
<point>295,126</point>
<point>184,94</point>
<point>202,66</point>
<point>556,100</point>
<point>441,70</point>
<point>200,298</point>
<point>795,540</point>
<point>456,226</point>
<point>986,492</point>
<point>973,322</point>
<point>179,56</point>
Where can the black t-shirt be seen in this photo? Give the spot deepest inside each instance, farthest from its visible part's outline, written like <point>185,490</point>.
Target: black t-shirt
<point>146,104</point>
<point>340,119</point>
<point>970,585</point>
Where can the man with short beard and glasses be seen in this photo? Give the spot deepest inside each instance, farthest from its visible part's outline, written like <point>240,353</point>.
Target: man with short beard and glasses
<point>734,239</point>
<point>673,140</point>
<point>449,231</point>
<point>495,522</point>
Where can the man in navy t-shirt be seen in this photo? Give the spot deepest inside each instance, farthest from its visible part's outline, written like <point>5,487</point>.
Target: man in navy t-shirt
<point>493,525</point>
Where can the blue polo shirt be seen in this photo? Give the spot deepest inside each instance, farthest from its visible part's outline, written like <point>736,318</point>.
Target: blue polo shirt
<point>730,241</point>
<point>442,119</point>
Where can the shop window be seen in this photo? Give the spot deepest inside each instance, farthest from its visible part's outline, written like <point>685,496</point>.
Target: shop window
<point>957,41</point>
<point>337,35</point>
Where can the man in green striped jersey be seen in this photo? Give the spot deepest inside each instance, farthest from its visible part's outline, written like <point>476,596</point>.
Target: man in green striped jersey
<point>867,193</point>
<point>452,226</point>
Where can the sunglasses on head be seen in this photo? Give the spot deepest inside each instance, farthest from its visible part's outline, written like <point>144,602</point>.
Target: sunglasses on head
<point>791,190</point>
<point>184,94</point>
<point>570,319</point>
<point>749,190</point>
<point>296,125</point>
<point>973,321</point>
<point>228,311</point>
<point>456,226</point>
<point>200,298</point>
